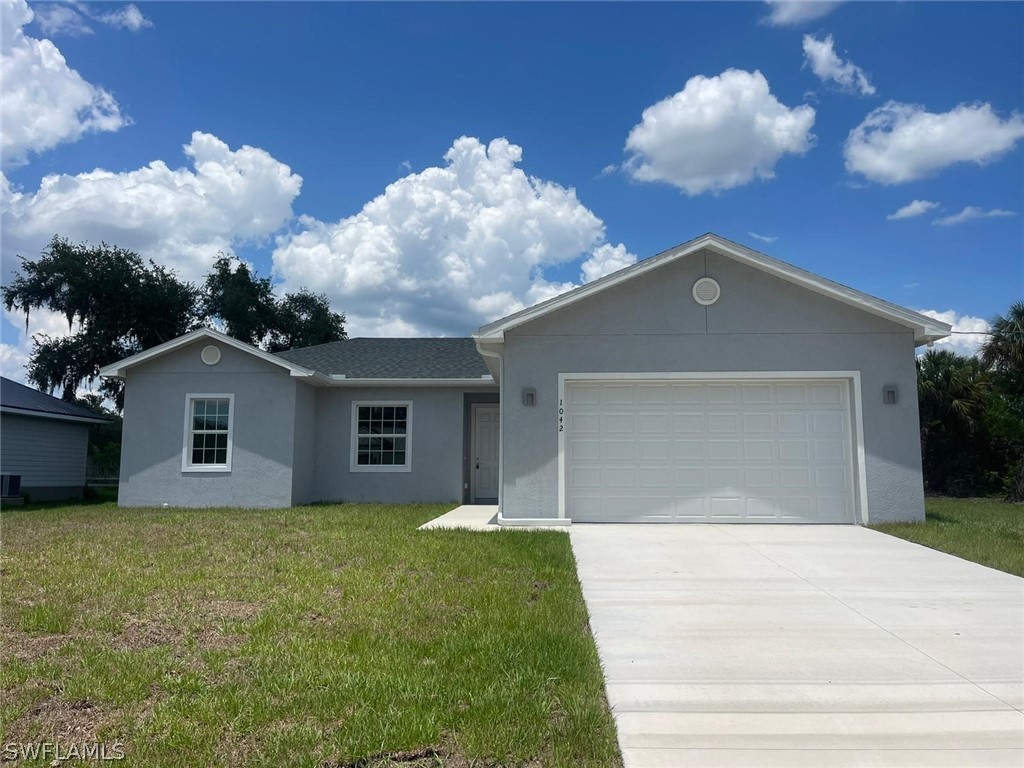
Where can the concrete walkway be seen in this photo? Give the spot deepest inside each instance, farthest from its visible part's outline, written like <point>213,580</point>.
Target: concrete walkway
<point>480,517</point>
<point>802,646</point>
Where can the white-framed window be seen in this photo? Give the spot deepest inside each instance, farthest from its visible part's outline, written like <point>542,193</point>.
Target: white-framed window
<point>209,424</point>
<point>381,436</point>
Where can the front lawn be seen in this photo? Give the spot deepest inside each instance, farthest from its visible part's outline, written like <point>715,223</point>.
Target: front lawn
<point>324,635</point>
<point>985,531</point>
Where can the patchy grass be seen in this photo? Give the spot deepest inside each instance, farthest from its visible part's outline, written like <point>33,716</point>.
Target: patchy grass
<point>324,635</point>
<point>985,531</point>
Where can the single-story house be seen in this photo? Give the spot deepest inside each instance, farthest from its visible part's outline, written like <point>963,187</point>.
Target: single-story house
<point>44,443</point>
<point>709,383</point>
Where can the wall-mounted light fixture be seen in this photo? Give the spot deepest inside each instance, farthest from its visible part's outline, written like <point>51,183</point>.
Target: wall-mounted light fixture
<point>529,396</point>
<point>890,395</point>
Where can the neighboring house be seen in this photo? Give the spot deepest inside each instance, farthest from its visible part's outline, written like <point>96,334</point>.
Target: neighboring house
<point>709,383</point>
<point>44,441</point>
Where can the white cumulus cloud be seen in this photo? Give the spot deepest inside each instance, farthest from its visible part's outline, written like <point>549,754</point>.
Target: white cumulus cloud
<point>126,17</point>
<point>43,102</point>
<point>824,62</point>
<point>970,213</point>
<point>179,217</point>
<point>61,20</point>
<point>897,143</point>
<point>604,260</point>
<point>16,347</point>
<point>717,133</point>
<point>912,209</point>
<point>969,333</point>
<point>448,248</point>
<point>792,13</point>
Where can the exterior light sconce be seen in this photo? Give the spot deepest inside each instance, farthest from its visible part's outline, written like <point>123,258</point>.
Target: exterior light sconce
<point>529,397</point>
<point>890,395</point>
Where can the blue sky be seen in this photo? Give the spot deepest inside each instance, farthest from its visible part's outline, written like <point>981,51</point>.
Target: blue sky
<point>528,147</point>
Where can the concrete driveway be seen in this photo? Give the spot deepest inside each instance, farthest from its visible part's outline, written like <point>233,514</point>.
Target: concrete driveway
<point>802,646</point>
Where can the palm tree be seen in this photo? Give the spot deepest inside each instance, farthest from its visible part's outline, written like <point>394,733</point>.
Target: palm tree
<point>1003,354</point>
<point>950,386</point>
<point>951,396</point>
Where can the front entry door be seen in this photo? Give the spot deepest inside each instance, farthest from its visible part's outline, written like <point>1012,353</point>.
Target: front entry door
<point>484,466</point>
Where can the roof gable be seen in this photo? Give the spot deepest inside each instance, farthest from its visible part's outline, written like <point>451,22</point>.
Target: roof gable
<point>120,368</point>
<point>925,328</point>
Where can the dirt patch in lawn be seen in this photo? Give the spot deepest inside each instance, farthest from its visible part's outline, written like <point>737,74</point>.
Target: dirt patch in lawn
<point>62,720</point>
<point>142,635</point>
<point>212,640</point>
<point>15,644</point>
<point>425,757</point>
<point>234,609</point>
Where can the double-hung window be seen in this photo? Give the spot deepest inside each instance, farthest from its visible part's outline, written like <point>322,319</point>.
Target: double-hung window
<point>209,421</point>
<point>381,437</point>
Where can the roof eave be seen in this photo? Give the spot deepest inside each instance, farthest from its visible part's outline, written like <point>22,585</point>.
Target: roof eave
<point>15,411</point>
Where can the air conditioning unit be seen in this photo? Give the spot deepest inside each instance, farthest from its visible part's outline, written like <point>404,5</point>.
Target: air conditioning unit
<point>10,486</point>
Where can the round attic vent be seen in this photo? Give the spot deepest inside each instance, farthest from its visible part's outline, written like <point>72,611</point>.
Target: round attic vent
<point>210,354</point>
<point>706,291</point>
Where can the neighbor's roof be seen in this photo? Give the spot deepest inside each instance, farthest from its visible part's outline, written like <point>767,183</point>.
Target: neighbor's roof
<point>926,329</point>
<point>437,358</point>
<point>18,399</point>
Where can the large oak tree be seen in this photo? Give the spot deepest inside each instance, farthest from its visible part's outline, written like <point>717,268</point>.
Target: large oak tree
<point>117,304</point>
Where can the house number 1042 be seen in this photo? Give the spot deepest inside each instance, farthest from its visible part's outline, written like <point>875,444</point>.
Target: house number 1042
<point>561,416</point>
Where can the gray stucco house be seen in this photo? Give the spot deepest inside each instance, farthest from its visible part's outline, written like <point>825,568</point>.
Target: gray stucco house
<point>709,383</point>
<point>44,442</point>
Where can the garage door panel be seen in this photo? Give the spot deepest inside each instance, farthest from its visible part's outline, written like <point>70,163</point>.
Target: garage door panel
<point>758,450</point>
<point>762,508</point>
<point>689,423</point>
<point>723,450</point>
<point>692,508</point>
<point>584,423</point>
<point>652,423</point>
<point>794,450</point>
<point>617,423</point>
<point>756,394</point>
<point>725,508</point>
<point>584,450</point>
<point>757,423</point>
<point>618,450</point>
<point>662,451</point>
<point>691,477</point>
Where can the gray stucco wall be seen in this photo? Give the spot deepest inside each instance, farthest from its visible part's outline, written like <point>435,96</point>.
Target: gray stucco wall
<point>761,323</point>
<point>437,447</point>
<point>154,422</point>
<point>49,454</point>
<point>304,449</point>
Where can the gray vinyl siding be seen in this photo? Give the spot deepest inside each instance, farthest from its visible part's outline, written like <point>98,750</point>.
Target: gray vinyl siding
<point>47,453</point>
<point>761,323</point>
<point>263,431</point>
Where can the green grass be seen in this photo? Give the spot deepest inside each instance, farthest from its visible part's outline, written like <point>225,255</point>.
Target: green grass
<point>320,635</point>
<point>985,531</point>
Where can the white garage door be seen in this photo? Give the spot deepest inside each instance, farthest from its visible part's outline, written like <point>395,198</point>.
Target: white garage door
<point>708,451</point>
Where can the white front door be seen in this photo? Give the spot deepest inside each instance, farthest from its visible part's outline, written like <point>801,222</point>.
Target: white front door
<point>484,467</point>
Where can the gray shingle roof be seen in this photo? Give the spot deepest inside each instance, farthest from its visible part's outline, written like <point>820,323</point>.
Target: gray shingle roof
<point>15,395</point>
<point>393,358</point>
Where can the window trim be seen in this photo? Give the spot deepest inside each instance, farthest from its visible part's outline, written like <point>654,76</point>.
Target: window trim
<point>186,445</point>
<point>354,437</point>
